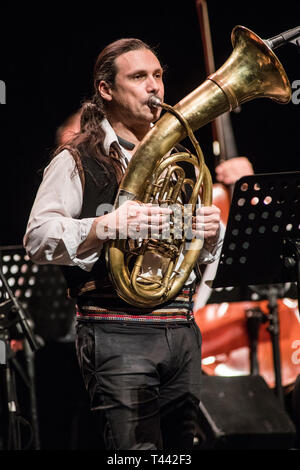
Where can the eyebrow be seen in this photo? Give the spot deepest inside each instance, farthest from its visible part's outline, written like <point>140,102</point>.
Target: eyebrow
<point>143,71</point>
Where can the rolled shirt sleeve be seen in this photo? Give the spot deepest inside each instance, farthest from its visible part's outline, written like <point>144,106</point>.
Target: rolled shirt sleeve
<point>54,231</point>
<point>208,257</point>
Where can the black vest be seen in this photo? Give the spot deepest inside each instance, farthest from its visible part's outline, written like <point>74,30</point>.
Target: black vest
<point>100,187</point>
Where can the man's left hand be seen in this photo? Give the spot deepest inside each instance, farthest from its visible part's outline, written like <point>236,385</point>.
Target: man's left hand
<point>206,224</point>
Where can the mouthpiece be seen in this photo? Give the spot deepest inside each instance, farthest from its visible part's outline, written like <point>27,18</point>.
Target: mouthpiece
<point>154,101</point>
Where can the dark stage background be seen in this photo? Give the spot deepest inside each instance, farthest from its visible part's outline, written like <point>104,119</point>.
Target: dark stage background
<point>47,55</point>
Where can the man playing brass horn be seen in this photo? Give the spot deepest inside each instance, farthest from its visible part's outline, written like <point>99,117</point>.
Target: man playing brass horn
<point>141,366</point>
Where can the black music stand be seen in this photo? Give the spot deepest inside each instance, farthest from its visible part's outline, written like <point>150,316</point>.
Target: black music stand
<point>262,243</point>
<point>42,291</point>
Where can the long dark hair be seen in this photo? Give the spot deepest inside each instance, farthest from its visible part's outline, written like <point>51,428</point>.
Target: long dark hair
<point>89,141</point>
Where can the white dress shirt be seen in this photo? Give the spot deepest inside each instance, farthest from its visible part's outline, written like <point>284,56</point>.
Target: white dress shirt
<point>54,231</point>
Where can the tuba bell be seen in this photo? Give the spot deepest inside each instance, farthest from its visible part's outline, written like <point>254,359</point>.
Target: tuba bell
<point>252,71</point>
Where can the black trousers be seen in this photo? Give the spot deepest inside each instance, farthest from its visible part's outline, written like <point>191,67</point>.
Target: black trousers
<point>146,381</point>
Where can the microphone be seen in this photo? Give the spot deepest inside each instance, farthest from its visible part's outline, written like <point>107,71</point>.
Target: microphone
<point>292,35</point>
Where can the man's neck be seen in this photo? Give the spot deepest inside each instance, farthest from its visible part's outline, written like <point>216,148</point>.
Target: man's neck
<point>133,135</point>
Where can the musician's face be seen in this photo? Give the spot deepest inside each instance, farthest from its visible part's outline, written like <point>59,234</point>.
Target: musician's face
<point>139,74</point>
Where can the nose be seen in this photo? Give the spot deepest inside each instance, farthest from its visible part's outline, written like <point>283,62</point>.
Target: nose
<point>153,85</point>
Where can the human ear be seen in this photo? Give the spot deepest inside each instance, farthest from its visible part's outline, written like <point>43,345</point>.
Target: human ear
<point>105,90</point>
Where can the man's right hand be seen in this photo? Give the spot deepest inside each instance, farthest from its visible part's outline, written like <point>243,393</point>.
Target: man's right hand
<point>133,220</point>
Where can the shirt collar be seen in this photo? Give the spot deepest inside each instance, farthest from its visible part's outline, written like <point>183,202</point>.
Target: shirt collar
<point>110,135</point>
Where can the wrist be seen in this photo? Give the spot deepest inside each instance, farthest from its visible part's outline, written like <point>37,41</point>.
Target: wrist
<point>213,241</point>
<point>92,240</point>
<point>102,228</point>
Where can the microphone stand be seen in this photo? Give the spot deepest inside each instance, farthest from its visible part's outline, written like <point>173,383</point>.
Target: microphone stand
<point>292,36</point>
<point>273,292</point>
<point>16,315</point>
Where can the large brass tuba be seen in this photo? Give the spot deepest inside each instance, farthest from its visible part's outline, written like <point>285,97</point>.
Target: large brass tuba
<point>251,71</point>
